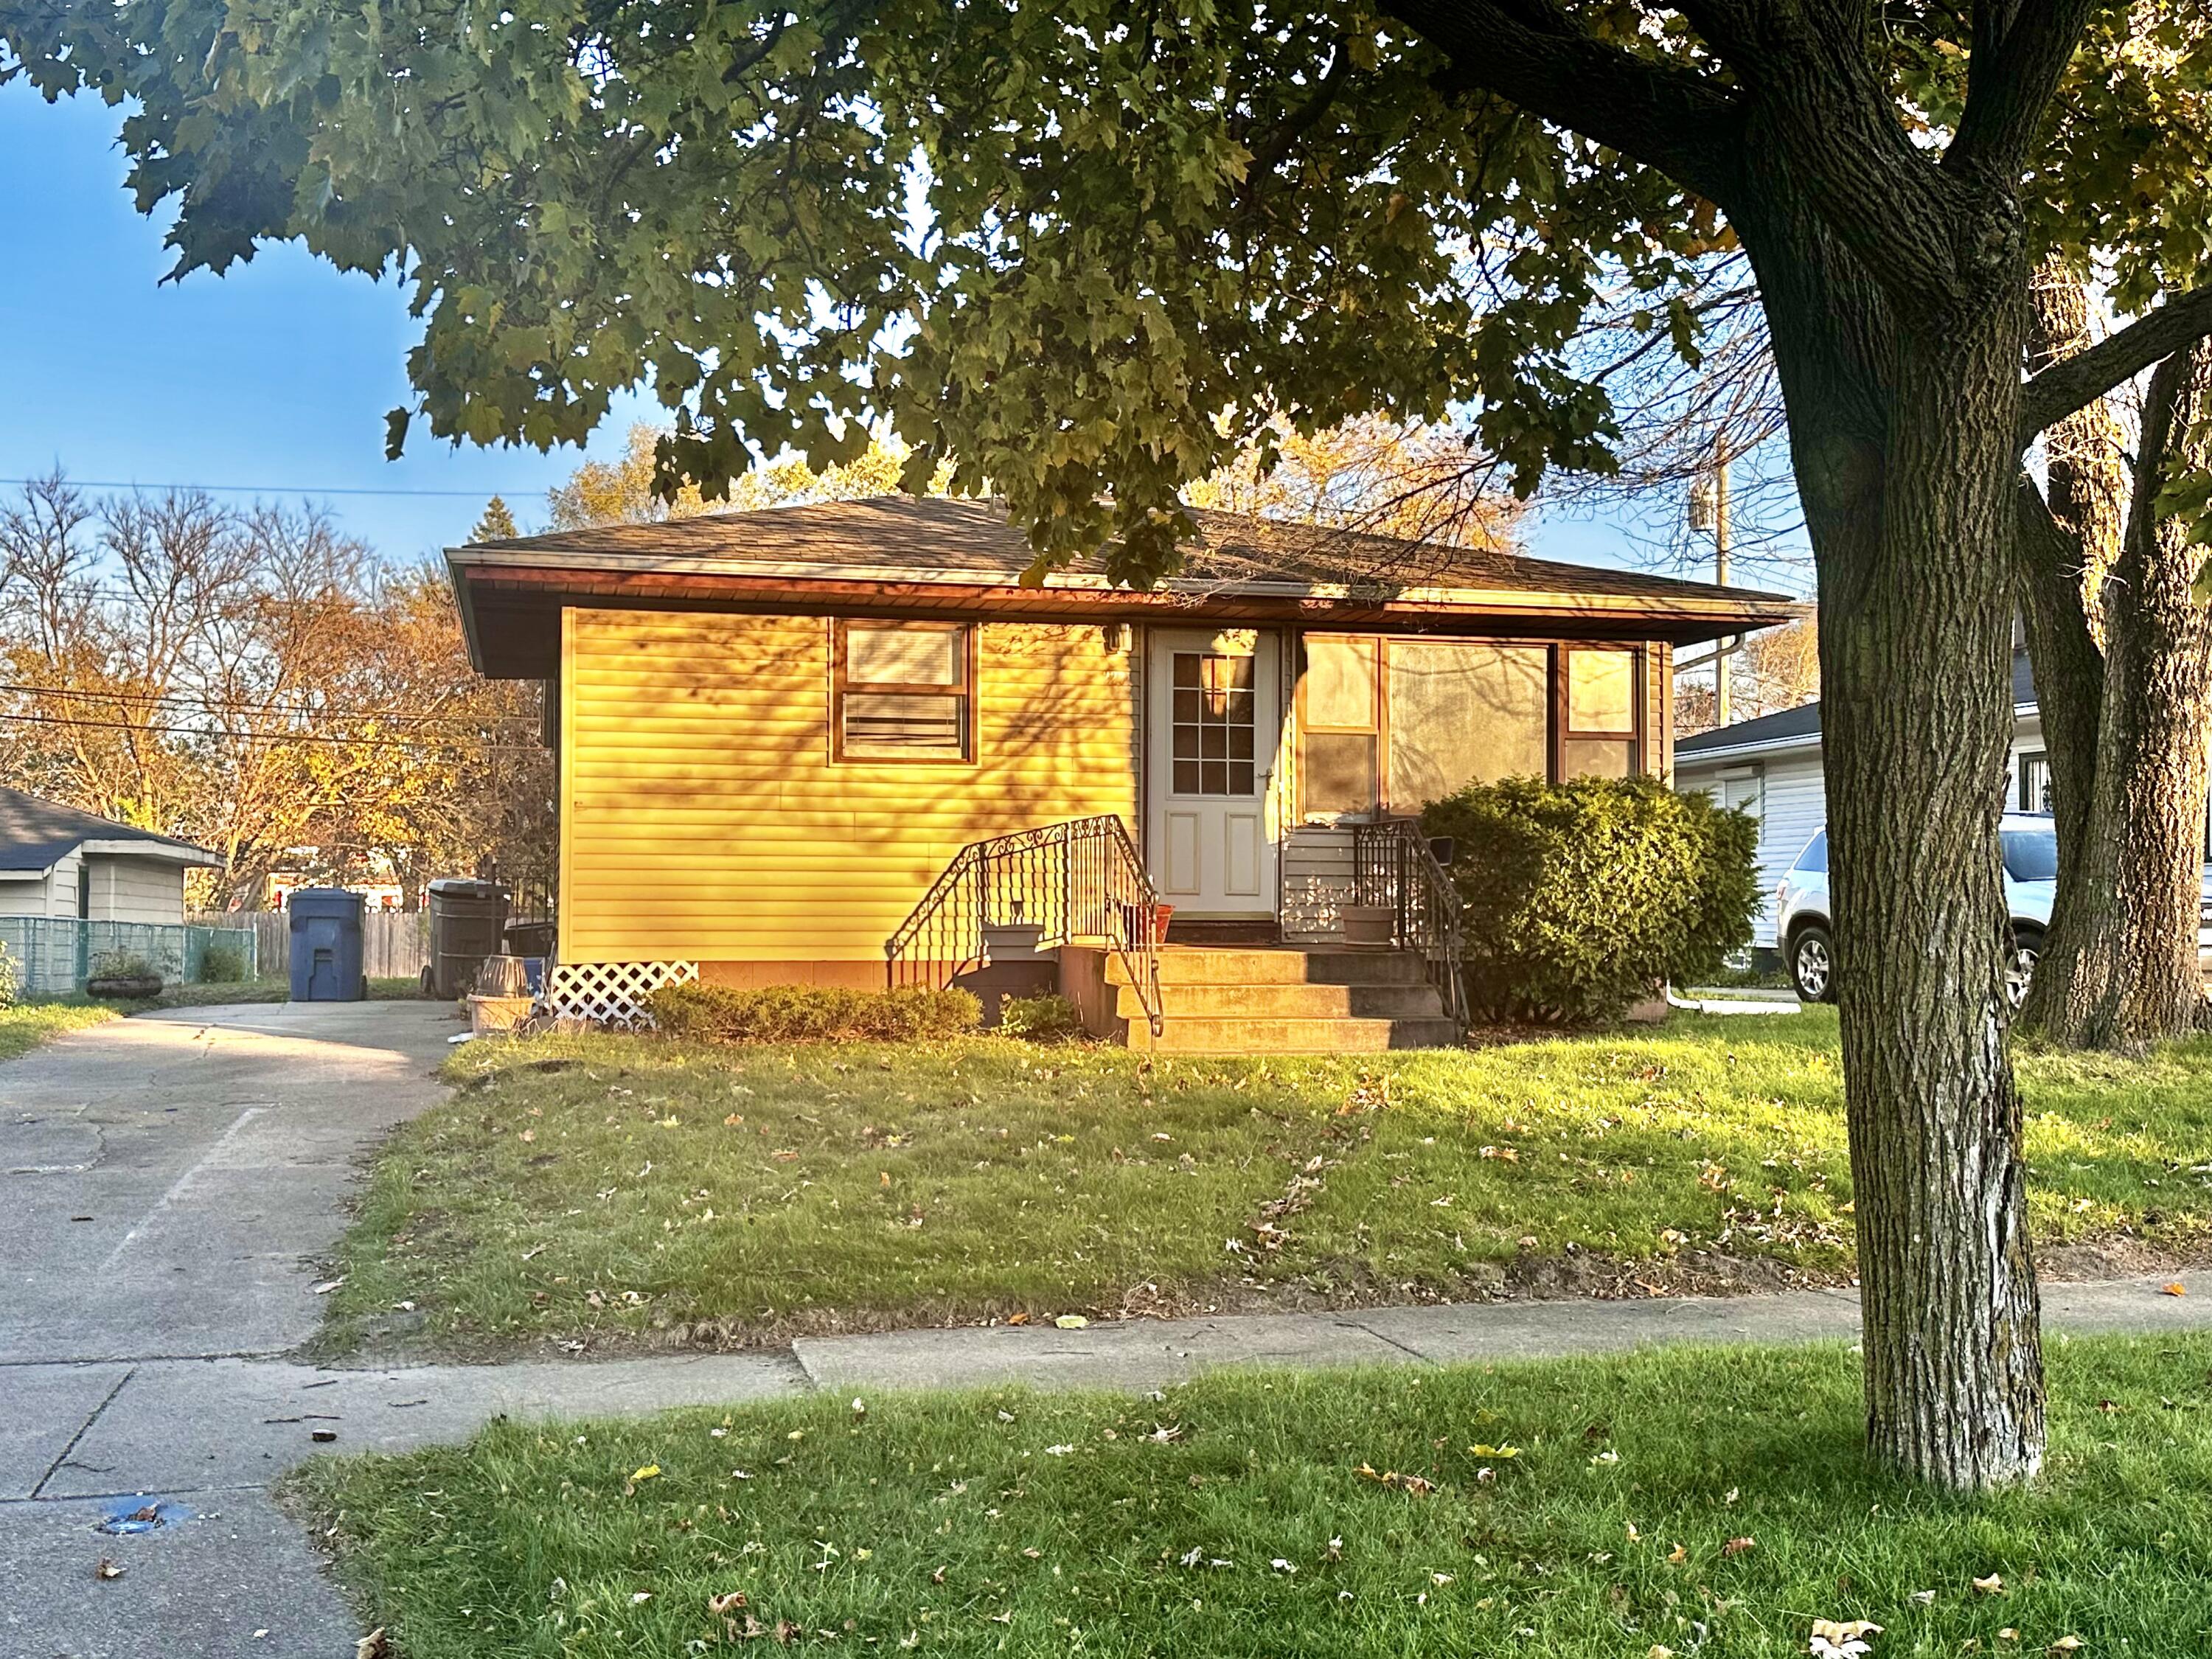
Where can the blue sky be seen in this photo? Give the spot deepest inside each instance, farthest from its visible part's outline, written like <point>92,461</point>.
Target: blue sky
<point>276,376</point>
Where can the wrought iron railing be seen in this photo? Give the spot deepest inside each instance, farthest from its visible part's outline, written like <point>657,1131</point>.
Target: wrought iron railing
<point>1395,868</point>
<point>1077,883</point>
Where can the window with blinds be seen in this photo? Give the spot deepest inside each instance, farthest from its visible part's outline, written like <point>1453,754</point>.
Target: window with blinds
<point>904,691</point>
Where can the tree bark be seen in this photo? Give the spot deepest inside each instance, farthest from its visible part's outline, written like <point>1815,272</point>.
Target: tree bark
<point>1905,448</point>
<point>2065,554</point>
<point>2120,969</point>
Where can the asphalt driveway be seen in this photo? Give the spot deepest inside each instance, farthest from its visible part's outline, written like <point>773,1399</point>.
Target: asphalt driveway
<point>164,1180</point>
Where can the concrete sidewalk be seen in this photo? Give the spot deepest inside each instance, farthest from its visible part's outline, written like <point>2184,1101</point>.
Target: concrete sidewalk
<point>180,1428</point>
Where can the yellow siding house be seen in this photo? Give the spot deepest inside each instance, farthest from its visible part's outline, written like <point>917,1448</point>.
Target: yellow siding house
<point>843,744</point>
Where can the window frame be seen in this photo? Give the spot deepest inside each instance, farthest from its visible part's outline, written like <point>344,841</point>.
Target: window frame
<point>1378,728</point>
<point>1556,735</point>
<point>1562,655</point>
<point>964,662</point>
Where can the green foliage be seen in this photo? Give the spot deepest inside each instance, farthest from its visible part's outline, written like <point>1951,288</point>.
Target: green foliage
<point>122,964</point>
<point>497,523</point>
<point>1681,1500</point>
<point>1085,257</point>
<point>1047,1018</point>
<point>222,964</point>
<point>11,977</point>
<point>1029,1181</point>
<point>1584,896</point>
<point>812,1013</point>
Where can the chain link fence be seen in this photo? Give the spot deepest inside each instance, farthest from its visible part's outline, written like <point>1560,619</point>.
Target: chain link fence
<point>55,955</point>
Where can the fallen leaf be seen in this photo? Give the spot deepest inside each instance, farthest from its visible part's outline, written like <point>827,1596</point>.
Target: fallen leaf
<point>1992,1585</point>
<point>1070,1321</point>
<point>727,1602</point>
<point>1925,1598</point>
<point>1677,1556</point>
<point>1017,1319</point>
<point>373,1645</point>
<point>1738,1546</point>
<point>2068,1644</point>
<point>649,1471</point>
<point>1660,1650</point>
<point>2175,1289</point>
<point>107,1568</point>
<point>1842,1639</point>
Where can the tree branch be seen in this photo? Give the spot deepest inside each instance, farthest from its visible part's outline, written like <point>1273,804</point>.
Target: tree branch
<point>1532,52</point>
<point>2021,49</point>
<point>2065,386</point>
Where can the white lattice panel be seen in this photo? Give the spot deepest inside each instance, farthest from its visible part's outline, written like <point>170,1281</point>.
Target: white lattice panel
<point>612,993</point>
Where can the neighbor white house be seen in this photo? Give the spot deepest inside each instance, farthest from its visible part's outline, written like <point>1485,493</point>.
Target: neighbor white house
<point>1771,767</point>
<point>59,863</point>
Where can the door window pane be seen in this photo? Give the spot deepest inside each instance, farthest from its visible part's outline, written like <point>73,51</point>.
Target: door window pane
<point>1465,711</point>
<point>1211,730</point>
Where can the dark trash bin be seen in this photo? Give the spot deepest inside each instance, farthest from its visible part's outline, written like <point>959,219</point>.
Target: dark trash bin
<point>325,946</point>
<point>467,918</point>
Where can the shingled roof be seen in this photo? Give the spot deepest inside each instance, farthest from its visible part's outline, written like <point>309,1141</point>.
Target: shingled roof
<point>36,834</point>
<point>973,537</point>
<point>931,557</point>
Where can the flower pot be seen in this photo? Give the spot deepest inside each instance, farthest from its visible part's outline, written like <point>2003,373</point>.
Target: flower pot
<point>1367,927</point>
<point>1012,941</point>
<point>1160,915</point>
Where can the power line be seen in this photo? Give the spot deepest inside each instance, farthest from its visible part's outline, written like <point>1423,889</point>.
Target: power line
<point>272,738</point>
<point>276,490</point>
<point>229,708</point>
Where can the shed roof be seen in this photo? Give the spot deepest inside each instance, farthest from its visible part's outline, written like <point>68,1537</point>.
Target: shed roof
<point>898,554</point>
<point>1799,727</point>
<point>36,834</point>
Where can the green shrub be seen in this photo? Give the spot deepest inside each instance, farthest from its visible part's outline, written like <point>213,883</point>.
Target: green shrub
<point>222,964</point>
<point>122,964</point>
<point>1581,898</point>
<point>1047,1018</point>
<point>811,1013</point>
<point>11,977</point>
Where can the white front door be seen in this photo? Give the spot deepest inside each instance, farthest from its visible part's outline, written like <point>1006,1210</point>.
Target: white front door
<point>1214,726</point>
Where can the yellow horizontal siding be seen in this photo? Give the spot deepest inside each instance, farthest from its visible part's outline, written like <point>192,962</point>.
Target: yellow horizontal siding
<point>701,818</point>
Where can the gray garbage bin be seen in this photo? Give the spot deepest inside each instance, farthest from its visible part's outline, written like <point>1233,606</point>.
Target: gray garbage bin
<point>466,920</point>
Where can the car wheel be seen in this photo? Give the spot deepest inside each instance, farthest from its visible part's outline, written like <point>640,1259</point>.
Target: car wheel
<point>2022,952</point>
<point>1813,964</point>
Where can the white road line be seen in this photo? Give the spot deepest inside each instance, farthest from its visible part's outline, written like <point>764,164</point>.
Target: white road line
<point>177,1186</point>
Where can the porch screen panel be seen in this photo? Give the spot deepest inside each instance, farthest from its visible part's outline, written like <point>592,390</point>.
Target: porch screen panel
<point>1465,711</point>
<point>1341,724</point>
<point>1602,735</point>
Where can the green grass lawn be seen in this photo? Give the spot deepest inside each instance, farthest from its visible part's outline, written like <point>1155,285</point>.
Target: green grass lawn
<point>24,1025</point>
<point>614,1190</point>
<point>1705,1502</point>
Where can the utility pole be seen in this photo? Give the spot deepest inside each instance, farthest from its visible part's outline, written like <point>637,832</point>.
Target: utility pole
<point>1709,510</point>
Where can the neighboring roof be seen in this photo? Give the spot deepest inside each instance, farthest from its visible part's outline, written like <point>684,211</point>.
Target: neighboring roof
<point>36,834</point>
<point>920,556</point>
<point>1799,727</point>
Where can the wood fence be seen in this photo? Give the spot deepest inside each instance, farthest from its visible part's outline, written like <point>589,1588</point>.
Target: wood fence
<point>394,944</point>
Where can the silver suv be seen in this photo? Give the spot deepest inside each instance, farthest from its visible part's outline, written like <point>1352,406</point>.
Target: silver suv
<point>1803,913</point>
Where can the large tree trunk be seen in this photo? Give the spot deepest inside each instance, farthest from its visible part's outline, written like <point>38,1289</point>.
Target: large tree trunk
<point>2121,970</point>
<point>2065,554</point>
<point>1905,454</point>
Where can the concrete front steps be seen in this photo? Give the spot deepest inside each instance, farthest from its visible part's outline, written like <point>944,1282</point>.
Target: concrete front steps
<point>1255,999</point>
